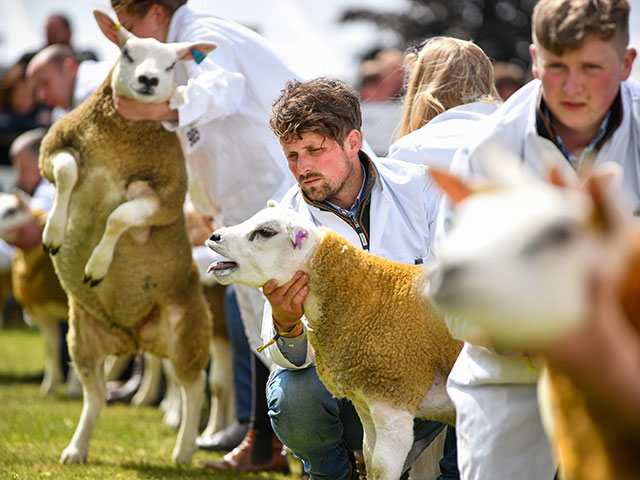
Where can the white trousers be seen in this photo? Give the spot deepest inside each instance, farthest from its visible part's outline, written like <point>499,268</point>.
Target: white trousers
<point>498,426</point>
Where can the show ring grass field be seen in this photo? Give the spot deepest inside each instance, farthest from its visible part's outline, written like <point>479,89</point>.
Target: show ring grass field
<point>128,442</point>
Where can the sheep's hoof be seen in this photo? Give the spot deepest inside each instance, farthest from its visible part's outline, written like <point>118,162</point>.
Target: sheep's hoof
<point>92,282</point>
<point>72,455</point>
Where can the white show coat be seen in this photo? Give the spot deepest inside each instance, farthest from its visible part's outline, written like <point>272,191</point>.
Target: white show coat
<point>436,142</point>
<point>224,106</point>
<point>236,163</point>
<point>500,433</point>
<point>401,217</point>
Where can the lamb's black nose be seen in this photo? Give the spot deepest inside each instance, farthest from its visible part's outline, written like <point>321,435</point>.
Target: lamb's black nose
<point>148,81</point>
<point>215,237</point>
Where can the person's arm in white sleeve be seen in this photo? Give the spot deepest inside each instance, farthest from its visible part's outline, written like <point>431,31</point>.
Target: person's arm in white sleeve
<point>212,92</point>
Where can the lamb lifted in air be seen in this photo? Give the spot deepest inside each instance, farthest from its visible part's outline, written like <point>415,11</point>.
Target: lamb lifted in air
<point>376,339</point>
<point>117,235</point>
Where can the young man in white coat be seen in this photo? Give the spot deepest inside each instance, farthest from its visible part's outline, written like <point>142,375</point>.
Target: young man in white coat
<point>384,206</point>
<point>221,116</point>
<point>581,109</point>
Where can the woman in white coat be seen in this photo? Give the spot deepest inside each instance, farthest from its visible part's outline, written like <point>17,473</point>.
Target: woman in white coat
<point>450,87</point>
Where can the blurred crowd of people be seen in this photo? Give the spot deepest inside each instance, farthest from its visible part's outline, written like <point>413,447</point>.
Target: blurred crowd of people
<point>22,106</point>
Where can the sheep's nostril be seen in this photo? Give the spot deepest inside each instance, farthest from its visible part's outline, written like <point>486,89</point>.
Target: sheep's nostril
<point>148,81</point>
<point>215,237</point>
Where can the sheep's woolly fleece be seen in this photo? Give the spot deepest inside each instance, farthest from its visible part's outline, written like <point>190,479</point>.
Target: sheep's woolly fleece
<point>34,279</point>
<point>399,338</point>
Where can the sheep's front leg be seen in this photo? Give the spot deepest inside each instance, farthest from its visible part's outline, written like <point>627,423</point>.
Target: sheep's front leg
<point>394,437</point>
<point>65,176</point>
<point>133,213</point>
<point>369,431</point>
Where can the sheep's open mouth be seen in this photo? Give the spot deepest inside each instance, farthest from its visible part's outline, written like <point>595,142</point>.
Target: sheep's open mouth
<point>222,266</point>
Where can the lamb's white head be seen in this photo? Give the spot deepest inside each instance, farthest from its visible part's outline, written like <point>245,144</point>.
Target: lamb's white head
<point>521,252</point>
<point>14,212</point>
<point>145,71</point>
<point>275,243</point>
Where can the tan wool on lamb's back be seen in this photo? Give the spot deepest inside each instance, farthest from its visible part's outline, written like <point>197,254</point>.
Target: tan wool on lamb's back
<point>376,340</point>
<point>554,236</point>
<point>117,234</point>
<point>391,313</point>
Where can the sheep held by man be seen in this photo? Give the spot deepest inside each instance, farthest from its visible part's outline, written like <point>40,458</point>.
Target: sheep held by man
<point>118,239</point>
<point>35,284</point>
<point>376,340</point>
<point>518,267</point>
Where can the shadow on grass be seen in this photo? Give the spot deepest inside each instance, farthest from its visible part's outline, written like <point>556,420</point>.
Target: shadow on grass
<point>145,470</point>
<point>20,378</point>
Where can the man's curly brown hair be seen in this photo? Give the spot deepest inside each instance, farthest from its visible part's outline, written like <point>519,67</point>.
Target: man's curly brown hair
<point>326,106</point>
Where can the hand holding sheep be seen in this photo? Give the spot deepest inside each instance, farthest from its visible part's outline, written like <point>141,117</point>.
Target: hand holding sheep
<point>286,302</point>
<point>134,110</point>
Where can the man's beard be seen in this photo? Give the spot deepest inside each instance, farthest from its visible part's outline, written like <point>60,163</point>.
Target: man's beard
<point>323,192</point>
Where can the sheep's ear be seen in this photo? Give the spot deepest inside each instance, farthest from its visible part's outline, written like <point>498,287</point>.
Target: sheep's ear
<point>194,51</point>
<point>296,235</point>
<point>455,188</point>
<point>112,30</point>
<point>23,197</point>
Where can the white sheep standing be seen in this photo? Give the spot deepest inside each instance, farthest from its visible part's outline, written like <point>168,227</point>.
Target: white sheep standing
<point>117,234</point>
<point>516,268</point>
<point>376,339</point>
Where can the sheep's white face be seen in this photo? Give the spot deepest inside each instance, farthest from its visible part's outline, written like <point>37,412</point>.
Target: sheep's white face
<point>145,71</point>
<point>518,262</point>
<point>146,68</point>
<point>275,243</point>
<point>14,212</point>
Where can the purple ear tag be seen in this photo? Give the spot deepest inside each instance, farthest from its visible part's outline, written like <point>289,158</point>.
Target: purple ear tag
<point>299,238</point>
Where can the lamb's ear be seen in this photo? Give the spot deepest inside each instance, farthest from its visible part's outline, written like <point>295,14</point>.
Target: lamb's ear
<point>455,188</point>
<point>297,234</point>
<point>23,197</point>
<point>194,51</point>
<point>112,30</point>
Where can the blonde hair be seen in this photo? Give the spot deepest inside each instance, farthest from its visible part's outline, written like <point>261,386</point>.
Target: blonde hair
<point>443,73</point>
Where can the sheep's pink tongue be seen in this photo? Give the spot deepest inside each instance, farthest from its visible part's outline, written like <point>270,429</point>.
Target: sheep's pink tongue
<point>221,266</point>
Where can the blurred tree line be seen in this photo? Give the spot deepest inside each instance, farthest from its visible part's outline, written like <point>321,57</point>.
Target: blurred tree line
<point>502,28</point>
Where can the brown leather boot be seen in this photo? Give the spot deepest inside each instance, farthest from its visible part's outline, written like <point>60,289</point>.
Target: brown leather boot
<point>239,459</point>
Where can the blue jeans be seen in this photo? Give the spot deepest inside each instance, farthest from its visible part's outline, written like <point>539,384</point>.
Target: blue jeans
<point>240,355</point>
<point>320,429</point>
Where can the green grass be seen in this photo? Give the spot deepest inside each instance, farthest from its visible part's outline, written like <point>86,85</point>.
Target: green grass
<point>128,442</point>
